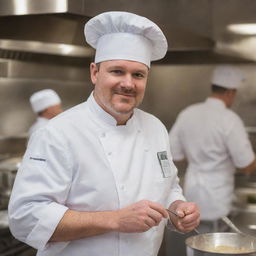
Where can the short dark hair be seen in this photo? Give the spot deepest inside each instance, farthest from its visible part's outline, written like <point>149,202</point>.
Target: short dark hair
<point>218,89</point>
<point>98,66</point>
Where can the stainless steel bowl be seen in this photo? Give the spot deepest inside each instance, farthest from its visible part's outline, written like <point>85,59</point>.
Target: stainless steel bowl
<point>204,244</point>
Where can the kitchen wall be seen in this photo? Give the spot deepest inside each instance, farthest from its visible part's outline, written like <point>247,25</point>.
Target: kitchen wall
<point>170,89</point>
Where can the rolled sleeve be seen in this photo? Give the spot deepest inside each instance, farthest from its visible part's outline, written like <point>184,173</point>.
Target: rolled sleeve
<point>43,230</point>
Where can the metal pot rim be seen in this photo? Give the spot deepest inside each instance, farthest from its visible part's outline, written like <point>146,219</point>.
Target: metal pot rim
<point>188,242</point>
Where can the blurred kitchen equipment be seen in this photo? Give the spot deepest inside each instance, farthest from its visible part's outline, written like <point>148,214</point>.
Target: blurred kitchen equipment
<point>216,244</point>
<point>232,225</point>
<point>12,145</point>
<point>244,209</point>
<point>245,181</point>
<point>4,219</point>
<point>9,246</point>
<point>8,170</point>
<point>245,197</point>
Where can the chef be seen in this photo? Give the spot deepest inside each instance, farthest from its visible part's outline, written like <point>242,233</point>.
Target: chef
<point>46,104</point>
<point>213,140</point>
<point>97,180</point>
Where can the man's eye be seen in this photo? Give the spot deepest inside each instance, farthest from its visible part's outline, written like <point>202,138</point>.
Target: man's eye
<point>117,71</point>
<point>139,75</point>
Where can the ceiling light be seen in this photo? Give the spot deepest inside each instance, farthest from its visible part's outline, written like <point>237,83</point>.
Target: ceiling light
<point>243,29</point>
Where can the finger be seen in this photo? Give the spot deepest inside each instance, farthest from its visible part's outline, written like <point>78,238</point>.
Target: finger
<point>181,213</point>
<point>159,208</point>
<point>155,216</point>
<point>186,228</point>
<point>188,209</point>
<point>150,222</point>
<point>191,214</point>
<point>191,225</point>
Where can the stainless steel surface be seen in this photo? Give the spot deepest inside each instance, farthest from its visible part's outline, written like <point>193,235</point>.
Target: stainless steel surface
<point>231,225</point>
<point>244,207</point>
<point>9,246</point>
<point>169,18</point>
<point>15,110</point>
<point>244,181</point>
<point>56,23</point>
<point>17,7</point>
<point>251,129</point>
<point>4,219</point>
<point>8,171</point>
<point>47,48</point>
<point>11,146</point>
<point>203,30</point>
<point>201,244</point>
<point>245,199</point>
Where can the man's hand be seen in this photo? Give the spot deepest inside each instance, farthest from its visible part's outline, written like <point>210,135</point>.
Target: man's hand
<point>188,215</point>
<point>139,217</point>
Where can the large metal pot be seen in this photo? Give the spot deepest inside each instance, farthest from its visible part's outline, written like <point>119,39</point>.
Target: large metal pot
<point>216,244</point>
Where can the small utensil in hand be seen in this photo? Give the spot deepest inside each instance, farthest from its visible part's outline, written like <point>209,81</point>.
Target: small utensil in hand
<point>174,213</point>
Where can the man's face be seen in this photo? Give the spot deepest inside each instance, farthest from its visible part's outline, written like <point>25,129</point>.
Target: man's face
<point>53,111</point>
<point>230,94</point>
<point>119,86</point>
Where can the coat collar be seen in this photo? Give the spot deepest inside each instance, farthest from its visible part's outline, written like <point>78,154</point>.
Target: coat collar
<point>105,117</point>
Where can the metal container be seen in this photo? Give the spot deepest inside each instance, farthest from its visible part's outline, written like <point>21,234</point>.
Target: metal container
<point>244,181</point>
<point>245,197</point>
<point>244,210</point>
<point>204,244</point>
<point>8,170</point>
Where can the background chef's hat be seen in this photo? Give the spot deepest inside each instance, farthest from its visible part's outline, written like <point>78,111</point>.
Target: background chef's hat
<point>125,36</point>
<point>227,76</point>
<point>43,99</point>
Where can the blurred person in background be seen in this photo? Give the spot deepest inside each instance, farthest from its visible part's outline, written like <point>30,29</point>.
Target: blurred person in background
<point>46,104</point>
<point>213,140</point>
<point>97,180</point>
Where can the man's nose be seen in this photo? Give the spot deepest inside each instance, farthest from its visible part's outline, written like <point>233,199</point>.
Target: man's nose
<point>127,81</point>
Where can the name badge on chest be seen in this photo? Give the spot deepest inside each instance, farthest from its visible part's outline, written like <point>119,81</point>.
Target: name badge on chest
<point>164,163</point>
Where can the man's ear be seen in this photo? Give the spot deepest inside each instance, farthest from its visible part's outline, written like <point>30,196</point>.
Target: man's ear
<point>93,72</point>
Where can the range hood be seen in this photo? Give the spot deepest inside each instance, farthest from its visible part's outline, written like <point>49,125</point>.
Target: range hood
<point>52,27</point>
<point>28,7</point>
<point>49,27</point>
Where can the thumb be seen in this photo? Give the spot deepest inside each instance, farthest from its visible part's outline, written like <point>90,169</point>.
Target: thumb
<point>180,213</point>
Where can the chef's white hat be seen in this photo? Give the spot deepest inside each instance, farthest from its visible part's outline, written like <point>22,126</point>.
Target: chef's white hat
<point>227,76</point>
<point>125,36</point>
<point>43,99</point>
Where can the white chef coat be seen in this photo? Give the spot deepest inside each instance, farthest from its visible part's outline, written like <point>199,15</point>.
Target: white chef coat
<point>83,161</point>
<point>40,122</point>
<point>213,140</point>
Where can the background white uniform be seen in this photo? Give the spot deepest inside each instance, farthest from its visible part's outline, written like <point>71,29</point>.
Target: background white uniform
<point>215,143</point>
<point>40,122</point>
